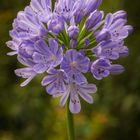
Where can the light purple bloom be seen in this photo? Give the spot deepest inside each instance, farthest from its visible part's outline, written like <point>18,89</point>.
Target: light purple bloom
<point>84,8</point>
<point>110,50</point>
<point>42,8</point>
<point>65,8</point>
<point>25,52</point>
<point>114,30</point>
<point>102,68</point>
<point>47,57</point>
<point>27,26</point>
<point>74,90</point>
<point>55,82</point>
<point>74,64</point>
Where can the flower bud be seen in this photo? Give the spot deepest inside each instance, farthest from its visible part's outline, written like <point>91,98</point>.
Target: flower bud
<point>73,32</point>
<point>56,24</point>
<point>93,19</point>
<point>86,42</point>
<point>73,43</point>
<point>91,5</point>
<point>129,28</point>
<point>120,14</point>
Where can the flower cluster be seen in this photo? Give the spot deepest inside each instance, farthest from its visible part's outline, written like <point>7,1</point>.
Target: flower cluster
<point>65,43</point>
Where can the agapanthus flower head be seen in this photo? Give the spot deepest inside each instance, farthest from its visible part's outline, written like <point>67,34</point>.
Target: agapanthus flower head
<point>66,42</point>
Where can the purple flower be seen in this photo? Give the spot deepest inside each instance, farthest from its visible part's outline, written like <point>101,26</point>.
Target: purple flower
<point>42,8</point>
<point>78,11</point>
<point>110,50</point>
<point>65,8</point>
<point>113,29</point>
<point>74,91</point>
<point>84,8</point>
<point>79,15</point>
<point>55,82</point>
<point>102,68</point>
<point>27,26</point>
<point>47,57</point>
<point>26,49</point>
<point>74,64</point>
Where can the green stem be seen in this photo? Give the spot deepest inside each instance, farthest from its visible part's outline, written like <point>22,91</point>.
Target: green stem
<point>81,43</point>
<point>82,23</point>
<point>70,124</point>
<point>82,34</point>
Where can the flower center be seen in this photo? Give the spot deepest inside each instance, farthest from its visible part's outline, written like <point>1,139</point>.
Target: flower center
<point>73,64</point>
<point>53,57</point>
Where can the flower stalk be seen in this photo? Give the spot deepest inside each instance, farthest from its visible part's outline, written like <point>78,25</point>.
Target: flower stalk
<point>70,124</point>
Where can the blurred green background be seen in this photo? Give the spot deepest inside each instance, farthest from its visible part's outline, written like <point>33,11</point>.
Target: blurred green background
<point>30,114</point>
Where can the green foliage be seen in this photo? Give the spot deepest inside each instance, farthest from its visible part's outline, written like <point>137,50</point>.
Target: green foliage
<point>30,114</point>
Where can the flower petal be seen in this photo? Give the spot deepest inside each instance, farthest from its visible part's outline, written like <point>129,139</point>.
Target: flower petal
<point>51,89</point>
<point>48,79</point>
<point>75,105</point>
<point>89,88</point>
<point>88,98</point>
<point>116,69</point>
<point>26,81</point>
<point>40,68</point>
<point>64,98</point>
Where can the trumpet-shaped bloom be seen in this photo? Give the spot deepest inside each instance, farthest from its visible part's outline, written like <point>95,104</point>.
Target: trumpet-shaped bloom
<point>74,64</point>
<point>27,26</point>
<point>74,90</point>
<point>46,57</point>
<point>42,9</point>
<point>115,28</point>
<point>55,82</point>
<point>102,68</point>
<point>110,50</point>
